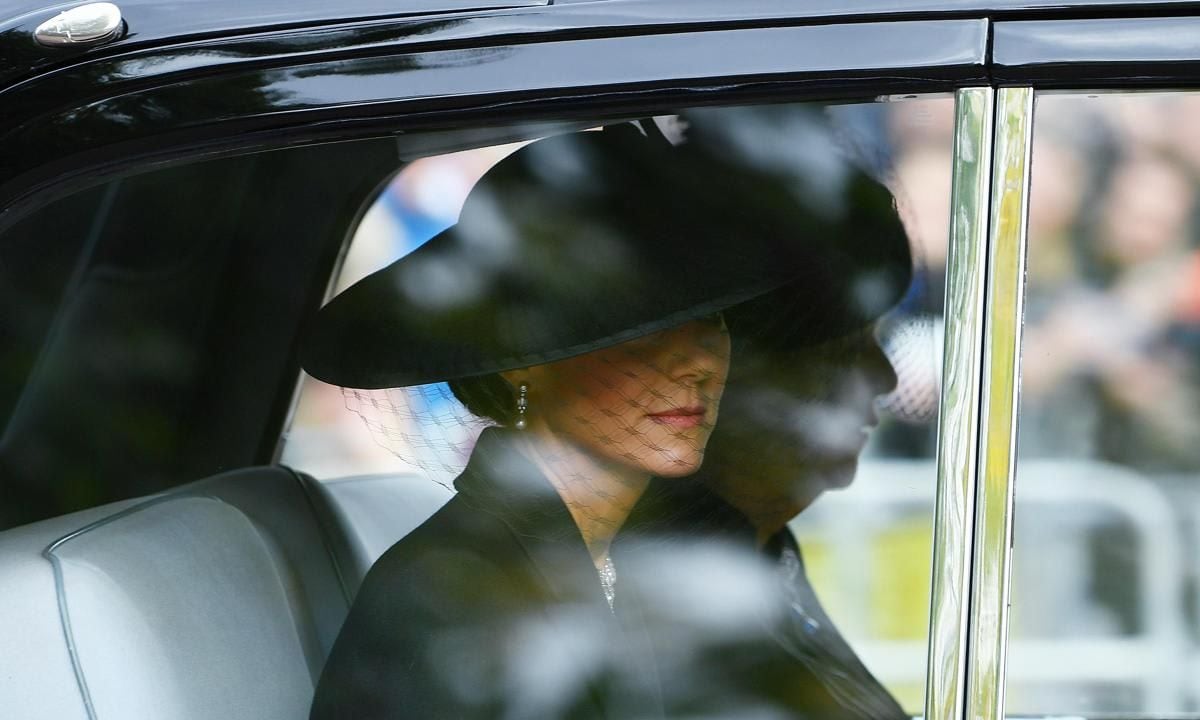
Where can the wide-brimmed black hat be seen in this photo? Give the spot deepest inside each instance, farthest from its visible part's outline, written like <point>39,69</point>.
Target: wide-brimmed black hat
<point>582,241</point>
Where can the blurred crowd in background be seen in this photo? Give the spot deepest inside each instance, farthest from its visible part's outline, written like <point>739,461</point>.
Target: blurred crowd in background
<point>1113,309</point>
<point>1109,419</point>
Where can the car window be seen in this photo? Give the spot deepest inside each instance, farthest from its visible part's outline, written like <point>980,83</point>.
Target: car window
<point>148,320</point>
<point>730,315</point>
<point>863,547</point>
<point>1104,572</point>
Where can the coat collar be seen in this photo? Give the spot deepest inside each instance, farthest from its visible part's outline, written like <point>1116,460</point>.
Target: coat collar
<point>501,481</point>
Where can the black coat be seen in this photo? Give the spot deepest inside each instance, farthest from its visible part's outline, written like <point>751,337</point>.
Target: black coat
<point>784,659</point>
<point>490,609</point>
<point>493,609</point>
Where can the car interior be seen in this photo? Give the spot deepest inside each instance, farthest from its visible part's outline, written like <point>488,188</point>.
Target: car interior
<point>139,317</point>
<point>165,307</point>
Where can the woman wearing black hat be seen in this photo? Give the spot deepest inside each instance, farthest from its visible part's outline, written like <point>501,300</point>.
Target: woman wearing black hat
<point>577,304</point>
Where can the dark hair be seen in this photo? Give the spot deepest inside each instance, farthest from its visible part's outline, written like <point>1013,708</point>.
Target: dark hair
<point>488,396</point>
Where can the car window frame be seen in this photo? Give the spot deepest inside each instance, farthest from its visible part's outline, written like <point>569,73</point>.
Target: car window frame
<point>1087,54</point>
<point>995,86</point>
<point>840,62</point>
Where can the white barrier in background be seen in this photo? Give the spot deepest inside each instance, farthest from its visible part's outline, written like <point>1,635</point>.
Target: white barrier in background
<point>1159,661</point>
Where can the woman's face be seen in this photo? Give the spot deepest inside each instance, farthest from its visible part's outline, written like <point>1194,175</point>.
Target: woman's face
<point>647,404</point>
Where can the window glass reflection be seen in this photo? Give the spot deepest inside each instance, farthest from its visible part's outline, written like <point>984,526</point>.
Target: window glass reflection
<point>1103,617</point>
<point>689,364</point>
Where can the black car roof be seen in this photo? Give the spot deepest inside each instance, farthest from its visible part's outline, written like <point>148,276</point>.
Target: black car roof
<point>161,22</point>
<point>193,16</point>
<point>219,71</point>
<point>164,20</point>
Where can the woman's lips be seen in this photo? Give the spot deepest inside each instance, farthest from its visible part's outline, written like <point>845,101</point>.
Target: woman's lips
<point>686,417</point>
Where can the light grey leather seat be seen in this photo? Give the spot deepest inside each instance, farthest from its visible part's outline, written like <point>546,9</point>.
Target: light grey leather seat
<point>374,511</point>
<point>219,599</point>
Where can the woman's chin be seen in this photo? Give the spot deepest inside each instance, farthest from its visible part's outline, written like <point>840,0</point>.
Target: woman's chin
<point>840,475</point>
<point>677,466</point>
<point>806,487</point>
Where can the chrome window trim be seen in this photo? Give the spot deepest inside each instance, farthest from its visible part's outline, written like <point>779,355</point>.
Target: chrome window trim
<point>992,547</point>
<point>958,424</point>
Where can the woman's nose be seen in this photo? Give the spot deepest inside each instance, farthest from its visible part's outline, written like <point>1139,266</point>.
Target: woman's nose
<point>699,350</point>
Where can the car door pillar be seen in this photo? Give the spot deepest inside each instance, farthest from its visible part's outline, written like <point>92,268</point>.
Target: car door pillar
<point>958,433</point>
<point>992,547</point>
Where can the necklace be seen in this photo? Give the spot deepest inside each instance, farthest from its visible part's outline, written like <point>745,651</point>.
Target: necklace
<point>608,581</point>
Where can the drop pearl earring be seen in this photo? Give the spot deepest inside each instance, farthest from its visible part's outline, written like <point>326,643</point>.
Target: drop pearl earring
<point>522,406</point>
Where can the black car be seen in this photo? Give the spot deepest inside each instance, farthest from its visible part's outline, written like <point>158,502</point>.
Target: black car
<point>187,517</point>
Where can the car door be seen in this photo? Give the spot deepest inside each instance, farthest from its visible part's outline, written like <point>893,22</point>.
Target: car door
<point>1088,323</point>
<point>178,206</point>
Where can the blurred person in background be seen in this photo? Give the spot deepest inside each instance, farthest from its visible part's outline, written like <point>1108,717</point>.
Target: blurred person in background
<point>1116,327</point>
